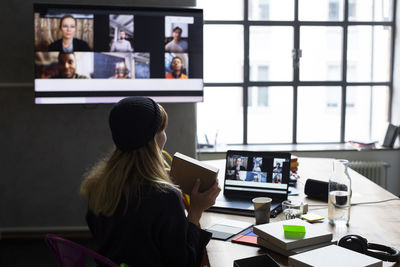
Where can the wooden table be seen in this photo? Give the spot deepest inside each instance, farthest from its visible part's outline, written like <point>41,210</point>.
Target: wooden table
<point>379,223</point>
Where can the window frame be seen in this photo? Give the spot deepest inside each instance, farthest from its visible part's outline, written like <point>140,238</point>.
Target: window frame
<point>295,83</point>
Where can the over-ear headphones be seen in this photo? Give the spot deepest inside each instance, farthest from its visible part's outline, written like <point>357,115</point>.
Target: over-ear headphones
<point>361,245</point>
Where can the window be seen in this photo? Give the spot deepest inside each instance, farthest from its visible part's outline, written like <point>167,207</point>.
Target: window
<point>258,96</point>
<point>323,74</point>
<point>333,10</point>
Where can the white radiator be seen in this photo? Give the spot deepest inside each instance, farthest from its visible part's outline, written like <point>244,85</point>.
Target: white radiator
<point>376,171</point>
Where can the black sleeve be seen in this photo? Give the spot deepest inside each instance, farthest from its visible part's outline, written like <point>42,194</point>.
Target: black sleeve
<point>80,45</point>
<point>54,46</point>
<point>181,242</point>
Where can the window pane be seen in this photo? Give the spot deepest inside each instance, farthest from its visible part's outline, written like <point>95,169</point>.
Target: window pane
<point>271,48</point>
<point>368,56</point>
<point>321,10</point>
<point>221,9</point>
<point>370,10</point>
<point>321,53</point>
<point>318,115</point>
<point>220,116</point>
<point>271,10</point>
<point>366,112</point>
<point>270,115</point>
<point>223,53</point>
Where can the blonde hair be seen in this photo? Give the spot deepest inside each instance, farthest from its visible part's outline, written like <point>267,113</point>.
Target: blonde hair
<point>123,174</point>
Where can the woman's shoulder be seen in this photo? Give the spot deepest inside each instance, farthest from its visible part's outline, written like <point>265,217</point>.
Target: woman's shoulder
<point>165,194</point>
<point>55,46</point>
<point>165,191</point>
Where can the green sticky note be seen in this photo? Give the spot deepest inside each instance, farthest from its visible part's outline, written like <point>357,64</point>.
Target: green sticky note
<point>294,231</point>
<point>294,228</point>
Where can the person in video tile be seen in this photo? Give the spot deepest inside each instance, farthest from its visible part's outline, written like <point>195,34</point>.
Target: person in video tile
<point>68,43</point>
<point>176,45</point>
<point>278,167</point>
<point>277,178</point>
<point>67,67</point>
<point>121,45</point>
<point>121,71</point>
<point>177,69</point>
<point>237,167</point>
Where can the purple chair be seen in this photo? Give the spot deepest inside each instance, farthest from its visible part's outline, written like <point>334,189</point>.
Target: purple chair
<point>70,254</point>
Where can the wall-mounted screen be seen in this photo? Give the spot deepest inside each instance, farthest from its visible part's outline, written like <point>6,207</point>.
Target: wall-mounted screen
<point>100,54</point>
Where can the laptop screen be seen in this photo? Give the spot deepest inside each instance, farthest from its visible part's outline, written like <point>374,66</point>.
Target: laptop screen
<point>257,173</point>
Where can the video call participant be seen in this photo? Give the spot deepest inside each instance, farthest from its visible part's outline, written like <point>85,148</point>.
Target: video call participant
<point>277,168</point>
<point>277,179</point>
<point>135,212</point>
<point>67,67</point>
<point>237,167</point>
<point>68,43</point>
<point>177,69</point>
<point>121,45</point>
<point>121,71</point>
<point>176,44</point>
<point>257,167</point>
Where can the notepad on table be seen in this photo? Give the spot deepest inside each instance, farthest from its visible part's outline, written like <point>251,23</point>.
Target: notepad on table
<point>225,229</point>
<point>332,256</point>
<point>274,234</point>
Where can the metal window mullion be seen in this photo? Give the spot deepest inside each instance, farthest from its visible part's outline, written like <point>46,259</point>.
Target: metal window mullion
<point>301,23</point>
<point>296,65</point>
<point>344,73</point>
<point>246,68</point>
<point>392,60</point>
<point>300,83</point>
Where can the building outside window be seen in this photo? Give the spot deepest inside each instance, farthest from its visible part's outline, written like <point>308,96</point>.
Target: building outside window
<point>296,71</point>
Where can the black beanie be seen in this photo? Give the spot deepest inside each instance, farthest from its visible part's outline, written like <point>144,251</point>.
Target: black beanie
<point>134,121</point>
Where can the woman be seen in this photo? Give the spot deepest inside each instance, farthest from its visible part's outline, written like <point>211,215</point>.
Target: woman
<point>68,43</point>
<point>135,212</point>
<point>177,69</point>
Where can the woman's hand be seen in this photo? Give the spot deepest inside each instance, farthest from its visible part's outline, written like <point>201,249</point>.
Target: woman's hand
<point>199,202</point>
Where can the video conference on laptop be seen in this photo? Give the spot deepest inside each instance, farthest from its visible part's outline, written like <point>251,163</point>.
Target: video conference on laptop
<point>257,172</point>
<point>250,174</point>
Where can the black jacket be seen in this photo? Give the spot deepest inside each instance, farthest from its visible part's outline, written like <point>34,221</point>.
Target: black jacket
<point>79,45</point>
<point>157,233</point>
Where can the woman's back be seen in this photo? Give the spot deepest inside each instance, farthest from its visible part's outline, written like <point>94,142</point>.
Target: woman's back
<point>152,234</point>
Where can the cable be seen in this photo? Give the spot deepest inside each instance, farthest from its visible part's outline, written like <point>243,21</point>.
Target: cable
<point>355,204</point>
<point>375,202</point>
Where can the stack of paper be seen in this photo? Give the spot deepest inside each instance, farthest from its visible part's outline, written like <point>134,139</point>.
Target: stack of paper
<point>272,236</point>
<point>363,145</point>
<point>333,256</point>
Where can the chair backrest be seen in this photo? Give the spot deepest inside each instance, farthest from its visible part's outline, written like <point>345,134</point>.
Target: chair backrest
<point>71,254</point>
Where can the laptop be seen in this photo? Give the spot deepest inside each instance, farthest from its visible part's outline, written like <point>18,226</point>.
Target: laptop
<point>250,174</point>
